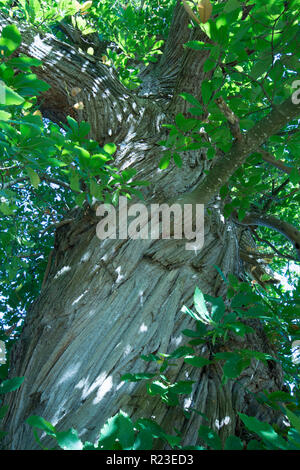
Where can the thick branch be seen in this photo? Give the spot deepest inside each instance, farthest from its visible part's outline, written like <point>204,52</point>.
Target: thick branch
<point>84,41</point>
<point>180,69</point>
<point>286,229</point>
<point>267,157</point>
<point>107,105</point>
<point>227,164</point>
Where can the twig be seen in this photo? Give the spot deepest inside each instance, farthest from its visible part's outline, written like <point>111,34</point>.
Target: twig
<point>46,178</point>
<point>286,229</point>
<point>56,225</point>
<point>28,255</point>
<point>274,192</point>
<point>251,79</point>
<point>282,255</point>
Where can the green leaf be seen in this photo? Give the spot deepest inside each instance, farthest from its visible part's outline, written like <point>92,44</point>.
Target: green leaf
<point>197,361</point>
<point>182,387</point>
<point>190,312</point>
<point>74,182</point>
<point>165,161</point>
<point>185,124</point>
<point>79,199</point>
<point>24,62</point>
<point>73,124</point>
<point>34,177</point>
<point>190,98</point>
<point>88,446</point>
<point>96,190</point>
<point>206,90</point>
<point>11,384</point>
<point>31,127</point>
<point>12,98</point>
<point>156,431</point>
<point>177,159</point>
<point>110,148</point>
<point>54,162</point>
<point>200,306</point>
<point>119,427</point>
<point>84,156</point>
<point>144,440</point>
<point>294,419</point>
<point>190,333</point>
<point>234,366</point>
<point>4,116</point>
<point>233,443</point>
<point>150,358</point>
<point>218,307</point>
<point>181,351</point>
<point>196,45</point>
<point>84,129</point>
<point>69,440</point>
<point>255,445</point>
<point>29,84</point>
<point>40,423</point>
<point>3,411</point>
<point>241,300</point>
<point>231,5</point>
<point>261,66</point>
<point>196,111</point>
<point>10,39</point>
<point>157,388</point>
<point>265,431</point>
<point>6,208</point>
<point>209,65</point>
<point>210,437</point>
<point>294,176</point>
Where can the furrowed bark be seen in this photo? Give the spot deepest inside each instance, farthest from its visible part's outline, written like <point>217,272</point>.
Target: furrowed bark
<point>108,106</point>
<point>104,303</point>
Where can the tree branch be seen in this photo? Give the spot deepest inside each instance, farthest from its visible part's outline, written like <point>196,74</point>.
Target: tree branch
<point>267,157</point>
<point>232,119</point>
<point>84,41</point>
<point>180,69</point>
<point>286,229</point>
<point>271,197</point>
<point>108,106</point>
<point>227,164</point>
<point>46,178</point>
<point>56,225</point>
<point>282,255</point>
<point>11,183</point>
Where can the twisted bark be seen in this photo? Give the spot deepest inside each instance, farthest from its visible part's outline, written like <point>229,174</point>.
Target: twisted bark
<point>104,303</point>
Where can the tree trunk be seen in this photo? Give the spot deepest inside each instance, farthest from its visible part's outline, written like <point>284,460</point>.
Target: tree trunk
<point>107,302</point>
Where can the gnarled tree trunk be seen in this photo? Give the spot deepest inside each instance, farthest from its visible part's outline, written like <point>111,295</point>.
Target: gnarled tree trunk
<point>107,302</point>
